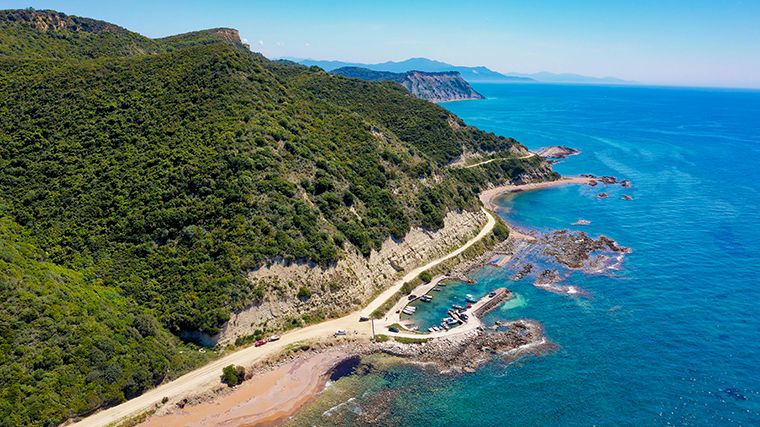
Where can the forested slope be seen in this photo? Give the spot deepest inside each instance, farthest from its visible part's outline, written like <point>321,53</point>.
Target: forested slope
<point>68,345</point>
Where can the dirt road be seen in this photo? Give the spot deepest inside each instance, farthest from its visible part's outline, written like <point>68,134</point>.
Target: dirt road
<point>207,376</point>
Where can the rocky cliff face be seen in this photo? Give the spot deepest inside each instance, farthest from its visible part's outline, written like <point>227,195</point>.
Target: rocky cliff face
<point>347,285</point>
<point>435,87</point>
<point>439,87</point>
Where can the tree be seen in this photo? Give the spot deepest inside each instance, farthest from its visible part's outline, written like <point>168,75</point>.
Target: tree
<point>233,375</point>
<point>425,276</point>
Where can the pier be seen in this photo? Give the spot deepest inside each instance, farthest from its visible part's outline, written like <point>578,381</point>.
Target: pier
<point>489,302</point>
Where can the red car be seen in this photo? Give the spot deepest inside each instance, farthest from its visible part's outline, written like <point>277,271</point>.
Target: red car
<point>259,343</point>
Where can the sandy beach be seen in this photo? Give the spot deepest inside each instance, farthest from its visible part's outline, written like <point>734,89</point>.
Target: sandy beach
<point>266,399</point>
<point>488,197</point>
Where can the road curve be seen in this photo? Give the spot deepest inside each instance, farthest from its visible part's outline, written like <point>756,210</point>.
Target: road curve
<point>208,376</point>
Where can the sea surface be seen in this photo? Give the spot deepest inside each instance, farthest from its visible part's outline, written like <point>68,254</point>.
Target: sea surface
<point>671,337</point>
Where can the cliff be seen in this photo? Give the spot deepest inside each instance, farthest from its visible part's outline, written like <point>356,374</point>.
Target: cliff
<point>435,87</point>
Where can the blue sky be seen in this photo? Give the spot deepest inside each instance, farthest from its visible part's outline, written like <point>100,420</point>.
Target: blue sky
<point>697,42</point>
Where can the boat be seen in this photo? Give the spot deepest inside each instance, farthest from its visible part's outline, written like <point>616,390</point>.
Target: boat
<point>426,298</point>
<point>430,330</point>
<point>445,326</point>
<point>437,289</point>
<point>457,307</point>
<point>470,298</point>
<point>408,310</point>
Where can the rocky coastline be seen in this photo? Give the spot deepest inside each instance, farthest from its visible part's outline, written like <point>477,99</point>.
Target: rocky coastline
<point>457,354</point>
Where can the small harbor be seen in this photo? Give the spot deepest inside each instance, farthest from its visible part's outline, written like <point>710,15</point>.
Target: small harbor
<point>464,305</point>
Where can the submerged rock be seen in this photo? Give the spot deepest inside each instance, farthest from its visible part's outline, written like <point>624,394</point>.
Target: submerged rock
<point>527,268</point>
<point>574,248</point>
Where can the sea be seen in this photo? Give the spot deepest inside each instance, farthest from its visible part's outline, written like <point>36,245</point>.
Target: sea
<point>670,335</point>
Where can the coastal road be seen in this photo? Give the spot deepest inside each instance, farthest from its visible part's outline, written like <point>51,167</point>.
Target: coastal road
<point>527,156</point>
<point>208,376</point>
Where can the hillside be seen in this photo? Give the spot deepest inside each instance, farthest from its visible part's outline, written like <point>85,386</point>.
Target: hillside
<point>154,174</point>
<point>469,74</point>
<point>70,344</point>
<point>434,87</point>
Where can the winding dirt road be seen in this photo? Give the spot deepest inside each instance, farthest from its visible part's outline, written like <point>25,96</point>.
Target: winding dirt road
<point>527,156</point>
<point>208,376</point>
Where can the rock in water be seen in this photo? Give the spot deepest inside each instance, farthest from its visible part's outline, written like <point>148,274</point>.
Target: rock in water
<point>557,152</point>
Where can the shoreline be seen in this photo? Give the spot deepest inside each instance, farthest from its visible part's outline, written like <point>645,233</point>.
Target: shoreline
<point>489,196</point>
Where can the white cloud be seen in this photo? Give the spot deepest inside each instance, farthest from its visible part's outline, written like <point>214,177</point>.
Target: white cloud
<point>260,42</point>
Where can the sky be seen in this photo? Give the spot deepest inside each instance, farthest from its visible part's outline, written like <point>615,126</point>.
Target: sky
<point>668,42</point>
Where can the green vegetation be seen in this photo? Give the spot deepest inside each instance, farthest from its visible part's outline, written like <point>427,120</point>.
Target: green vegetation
<point>425,276</point>
<point>304,293</point>
<point>407,340</point>
<point>233,375</point>
<point>152,174</point>
<point>69,345</point>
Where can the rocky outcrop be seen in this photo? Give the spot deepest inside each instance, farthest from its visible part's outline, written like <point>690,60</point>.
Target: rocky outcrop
<point>435,87</point>
<point>229,34</point>
<point>345,286</point>
<point>557,152</point>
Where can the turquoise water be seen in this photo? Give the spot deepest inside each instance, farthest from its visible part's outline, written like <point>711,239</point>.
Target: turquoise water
<point>673,337</point>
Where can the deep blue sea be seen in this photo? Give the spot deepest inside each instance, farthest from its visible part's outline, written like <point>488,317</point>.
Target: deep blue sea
<point>673,336</point>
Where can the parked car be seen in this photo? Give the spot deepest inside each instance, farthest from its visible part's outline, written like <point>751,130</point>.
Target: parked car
<point>363,319</point>
<point>274,338</point>
<point>259,343</point>
<point>412,296</point>
<point>393,329</point>
<point>340,332</point>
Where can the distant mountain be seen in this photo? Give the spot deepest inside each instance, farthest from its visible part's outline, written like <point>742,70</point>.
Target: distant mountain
<point>548,77</point>
<point>470,74</point>
<point>436,87</point>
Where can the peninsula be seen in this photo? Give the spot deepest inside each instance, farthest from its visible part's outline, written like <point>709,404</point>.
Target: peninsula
<point>432,86</point>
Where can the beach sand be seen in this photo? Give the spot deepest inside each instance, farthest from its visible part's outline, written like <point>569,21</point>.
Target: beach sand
<point>268,398</point>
